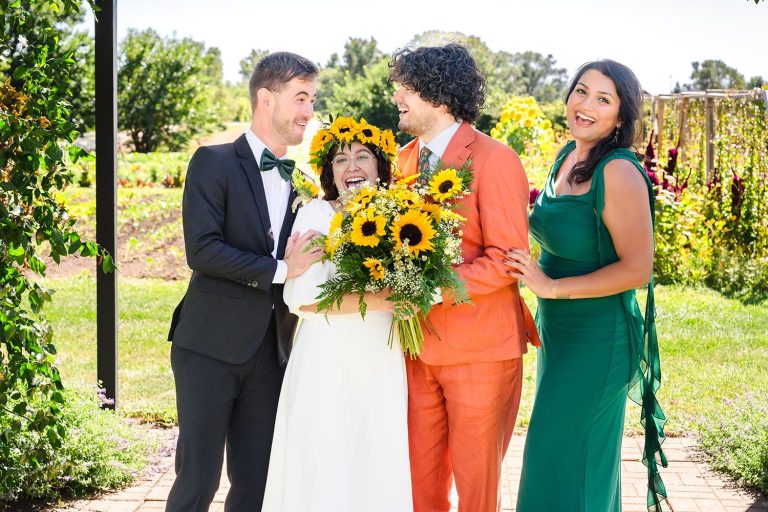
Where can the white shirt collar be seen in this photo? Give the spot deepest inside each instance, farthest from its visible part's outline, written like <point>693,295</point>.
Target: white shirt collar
<point>257,146</point>
<point>439,144</point>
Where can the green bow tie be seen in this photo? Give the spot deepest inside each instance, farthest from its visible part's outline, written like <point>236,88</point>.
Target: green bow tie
<point>269,161</point>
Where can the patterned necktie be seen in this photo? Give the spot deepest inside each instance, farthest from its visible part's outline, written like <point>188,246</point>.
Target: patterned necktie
<point>424,155</point>
<point>269,161</point>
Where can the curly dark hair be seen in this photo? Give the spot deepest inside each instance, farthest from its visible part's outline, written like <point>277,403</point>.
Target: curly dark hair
<point>630,115</point>
<point>442,75</point>
<point>330,192</point>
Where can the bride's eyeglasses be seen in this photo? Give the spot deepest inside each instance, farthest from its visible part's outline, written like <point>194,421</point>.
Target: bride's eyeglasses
<point>342,162</point>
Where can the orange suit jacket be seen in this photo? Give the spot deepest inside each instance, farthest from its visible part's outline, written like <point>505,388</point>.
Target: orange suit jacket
<point>496,325</point>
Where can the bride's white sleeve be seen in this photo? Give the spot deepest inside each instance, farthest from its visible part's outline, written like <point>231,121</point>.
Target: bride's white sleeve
<point>304,289</point>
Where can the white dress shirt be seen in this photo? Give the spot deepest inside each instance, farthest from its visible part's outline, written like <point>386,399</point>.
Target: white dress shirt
<point>439,144</point>
<point>277,191</point>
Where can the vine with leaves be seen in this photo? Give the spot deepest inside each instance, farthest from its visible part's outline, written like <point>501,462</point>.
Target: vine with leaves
<point>713,226</point>
<point>36,134</point>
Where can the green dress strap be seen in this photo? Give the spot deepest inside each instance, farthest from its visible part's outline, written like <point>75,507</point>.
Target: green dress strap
<point>645,362</point>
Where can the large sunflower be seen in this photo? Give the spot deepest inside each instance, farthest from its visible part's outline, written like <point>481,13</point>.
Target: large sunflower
<point>344,128</point>
<point>444,185</point>
<point>368,134</point>
<point>415,228</point>
<point>375,268</point>
<point>367,228</point>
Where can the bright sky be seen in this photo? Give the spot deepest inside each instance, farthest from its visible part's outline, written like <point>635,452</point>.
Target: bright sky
<point>658,39</point>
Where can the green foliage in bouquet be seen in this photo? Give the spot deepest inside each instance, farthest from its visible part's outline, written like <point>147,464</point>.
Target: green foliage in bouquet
<point>402,238</point>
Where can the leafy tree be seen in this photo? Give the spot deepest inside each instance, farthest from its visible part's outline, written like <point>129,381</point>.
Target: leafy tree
<point>358,55</point>
<point>36,132</point>
<point>538,76</point>
<point>72,42</point>
<point>368,95</point>
<point>756,81</point>
<point>714,74</point>
<point>165,89</point>
<point>248,64</point>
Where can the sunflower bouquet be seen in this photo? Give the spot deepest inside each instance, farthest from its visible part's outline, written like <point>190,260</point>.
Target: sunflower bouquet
<point>400,238</point>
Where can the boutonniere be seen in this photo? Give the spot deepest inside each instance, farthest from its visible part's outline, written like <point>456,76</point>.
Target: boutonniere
<point>305,187</point>
<point>444,183</point>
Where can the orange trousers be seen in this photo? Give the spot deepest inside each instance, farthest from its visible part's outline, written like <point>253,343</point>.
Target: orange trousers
<point>460,421</point>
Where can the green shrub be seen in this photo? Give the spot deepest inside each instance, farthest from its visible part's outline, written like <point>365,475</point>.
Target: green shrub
<point>683,241</point>
<point>739,276</point>
<point>738,444</point>
<point>99,451</point>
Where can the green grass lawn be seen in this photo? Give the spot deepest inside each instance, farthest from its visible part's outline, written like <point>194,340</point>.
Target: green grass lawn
<point>712,349</point>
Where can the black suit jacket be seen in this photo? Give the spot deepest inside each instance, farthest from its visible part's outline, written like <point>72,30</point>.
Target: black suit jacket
<point>228,242</point>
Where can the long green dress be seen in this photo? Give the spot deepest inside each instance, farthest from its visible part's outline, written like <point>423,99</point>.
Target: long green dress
<point>594,352</point>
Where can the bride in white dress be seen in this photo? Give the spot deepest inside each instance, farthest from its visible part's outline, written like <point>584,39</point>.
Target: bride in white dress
<point>341,440</point>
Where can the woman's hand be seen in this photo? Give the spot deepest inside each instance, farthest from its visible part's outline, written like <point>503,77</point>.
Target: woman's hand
<point>525,269</point>
<point>377,301</point>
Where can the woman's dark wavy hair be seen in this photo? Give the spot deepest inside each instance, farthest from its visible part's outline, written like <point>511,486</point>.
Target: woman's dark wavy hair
<point>630,115</point>
<point>330,192</point>
<point>442,75</point>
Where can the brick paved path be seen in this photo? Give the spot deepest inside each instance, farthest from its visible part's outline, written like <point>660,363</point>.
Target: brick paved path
<point>692,487</point>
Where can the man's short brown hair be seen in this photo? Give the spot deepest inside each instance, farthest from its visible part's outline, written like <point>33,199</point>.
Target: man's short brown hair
<point>277,69</point>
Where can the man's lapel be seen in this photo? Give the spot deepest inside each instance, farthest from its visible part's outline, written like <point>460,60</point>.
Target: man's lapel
<point>408,159</point>
<point>290,216</point>
<point>458,152</point>
<point>251,170</point>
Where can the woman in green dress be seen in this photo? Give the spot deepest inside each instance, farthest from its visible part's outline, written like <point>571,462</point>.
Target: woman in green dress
<point>594,223</point>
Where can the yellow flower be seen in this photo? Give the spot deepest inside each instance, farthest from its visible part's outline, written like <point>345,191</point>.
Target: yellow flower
<point>433,209</point>
<point>367,228</point>
<point>344,129</point>
<point>407,180</point>
<point>388,143</point>
<point>375,268</point>
<point>321,138</point>
<point>334,237</point>
<point>335,223</point>
<point>416,229</point>
<point>446,214</point>
<point>368,134</point>
<point>361,199</point>
<point>406,197</point>
<point>444,185</point>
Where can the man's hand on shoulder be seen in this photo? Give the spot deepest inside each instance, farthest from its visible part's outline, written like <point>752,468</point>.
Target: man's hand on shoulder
<point>300,254</point>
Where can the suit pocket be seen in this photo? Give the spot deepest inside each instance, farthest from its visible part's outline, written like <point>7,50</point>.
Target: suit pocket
<point>219,286</point>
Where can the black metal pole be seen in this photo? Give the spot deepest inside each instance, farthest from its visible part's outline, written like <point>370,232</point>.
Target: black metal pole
<point>106,194</point>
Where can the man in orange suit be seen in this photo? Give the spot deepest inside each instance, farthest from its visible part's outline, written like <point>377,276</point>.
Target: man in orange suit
<point>464,389</point>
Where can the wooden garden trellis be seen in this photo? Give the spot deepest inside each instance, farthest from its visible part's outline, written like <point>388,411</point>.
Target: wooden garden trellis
<point>710,96</point>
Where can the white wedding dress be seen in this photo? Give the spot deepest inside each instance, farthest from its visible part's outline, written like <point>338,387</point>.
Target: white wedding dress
<point>341,439</point>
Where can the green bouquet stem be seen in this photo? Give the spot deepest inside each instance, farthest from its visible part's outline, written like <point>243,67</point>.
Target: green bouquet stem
<point>411,336</point>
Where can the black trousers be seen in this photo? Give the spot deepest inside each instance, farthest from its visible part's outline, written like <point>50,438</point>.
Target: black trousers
<point>221,404</point>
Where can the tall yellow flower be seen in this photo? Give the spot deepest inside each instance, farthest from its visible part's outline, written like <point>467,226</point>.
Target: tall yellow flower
<point>334,238</point>
<point>388,144</point>
<point>415,228</point>
<point>367,228</point>
<point>375,268</point>
<point>444,185</point>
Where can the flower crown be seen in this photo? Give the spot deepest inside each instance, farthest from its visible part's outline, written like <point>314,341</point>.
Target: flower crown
<point>345,130</point>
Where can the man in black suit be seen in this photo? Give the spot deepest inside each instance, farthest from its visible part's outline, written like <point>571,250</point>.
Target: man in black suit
<point>232,332</point>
